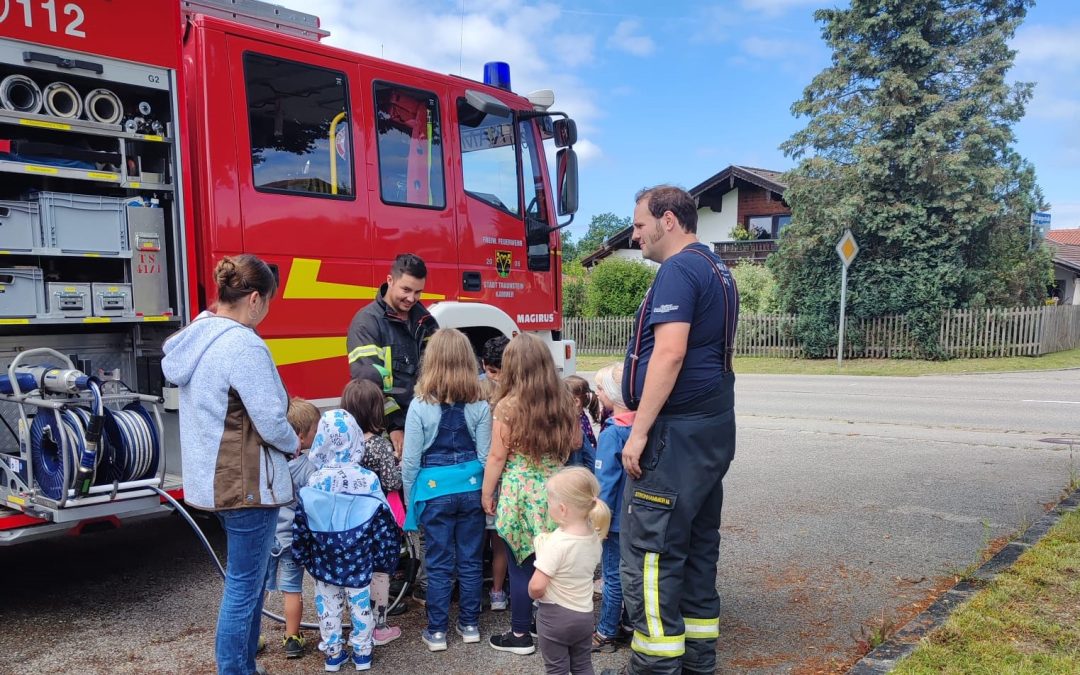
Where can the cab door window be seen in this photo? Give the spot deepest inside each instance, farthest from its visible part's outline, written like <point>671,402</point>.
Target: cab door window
<point>298,116</point>
<point>537,228</point>
<point>489,164</point>
<point>410,146</point>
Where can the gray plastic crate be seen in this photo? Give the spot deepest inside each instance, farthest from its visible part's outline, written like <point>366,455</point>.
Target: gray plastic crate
<point>20,226</point>
<point>83,223</point>
<point>68,300</point>
<point>22,291</point>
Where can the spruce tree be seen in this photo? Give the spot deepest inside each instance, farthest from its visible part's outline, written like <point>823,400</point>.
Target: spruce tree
<point>909,143</point>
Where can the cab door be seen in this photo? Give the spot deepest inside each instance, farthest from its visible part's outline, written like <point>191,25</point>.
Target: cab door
<point>409,183</point>
<point>298,121</point>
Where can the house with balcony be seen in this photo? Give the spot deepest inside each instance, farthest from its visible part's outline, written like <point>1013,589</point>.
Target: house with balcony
<point>738,198</point>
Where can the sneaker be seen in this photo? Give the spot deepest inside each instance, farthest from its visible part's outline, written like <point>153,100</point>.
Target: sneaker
<point>334,661</point>
<point>362,661</point>
<point>515,644</point>
<point>420,596</point>
<point>398,609</point>
<point>469,634</point>
<point>435,640</point>
<point>498,601</point>
<point>385,634</point>
<point>294,646</point>
<point>603,645</point>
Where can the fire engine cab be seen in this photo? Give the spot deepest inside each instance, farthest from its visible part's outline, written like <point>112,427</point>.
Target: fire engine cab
<point>140,142</point>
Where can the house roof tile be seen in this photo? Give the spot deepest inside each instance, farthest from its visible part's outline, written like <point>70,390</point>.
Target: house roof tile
<point>1071,237</point>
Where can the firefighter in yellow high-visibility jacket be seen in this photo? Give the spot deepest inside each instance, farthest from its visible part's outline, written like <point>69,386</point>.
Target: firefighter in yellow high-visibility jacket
<point>678,377</point>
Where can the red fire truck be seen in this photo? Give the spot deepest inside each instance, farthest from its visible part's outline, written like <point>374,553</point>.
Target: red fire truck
<point>141,141</point>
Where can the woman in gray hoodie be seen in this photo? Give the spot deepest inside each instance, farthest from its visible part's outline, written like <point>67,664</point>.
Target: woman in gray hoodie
<point>235,441</point>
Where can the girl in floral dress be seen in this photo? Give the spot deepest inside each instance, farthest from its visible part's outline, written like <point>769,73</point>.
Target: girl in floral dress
<point>534,430</point>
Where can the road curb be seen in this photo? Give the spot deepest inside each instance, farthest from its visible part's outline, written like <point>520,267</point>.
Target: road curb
<point>885,657</point>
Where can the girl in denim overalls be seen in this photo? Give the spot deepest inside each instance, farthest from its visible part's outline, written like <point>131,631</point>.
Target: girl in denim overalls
<point>447,433</point>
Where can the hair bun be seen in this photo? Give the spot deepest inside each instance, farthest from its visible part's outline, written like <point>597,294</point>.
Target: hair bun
<point>226,273</point>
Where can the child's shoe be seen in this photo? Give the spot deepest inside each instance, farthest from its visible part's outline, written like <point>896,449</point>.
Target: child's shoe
<point>385,634</point>
<point>294,646</point>
<point>363,661</point>
<point>469,634</point>
<point>603,645</point>
<point>334,661</point>
<point>498,601</point>
<point>435,640</point>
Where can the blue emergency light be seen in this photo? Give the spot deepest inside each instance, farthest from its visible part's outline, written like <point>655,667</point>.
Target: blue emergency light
<point>497,74</point>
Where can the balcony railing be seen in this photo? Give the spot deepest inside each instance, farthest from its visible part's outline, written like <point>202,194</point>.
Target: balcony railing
<point>754,250</point>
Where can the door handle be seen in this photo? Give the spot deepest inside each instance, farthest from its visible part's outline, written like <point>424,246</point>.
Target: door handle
<point>470,281</point>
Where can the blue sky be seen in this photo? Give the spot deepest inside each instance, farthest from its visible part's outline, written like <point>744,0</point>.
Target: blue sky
<point>676,91</point>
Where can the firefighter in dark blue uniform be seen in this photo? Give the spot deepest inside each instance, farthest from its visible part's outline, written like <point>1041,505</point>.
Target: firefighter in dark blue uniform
<point>678,377</point>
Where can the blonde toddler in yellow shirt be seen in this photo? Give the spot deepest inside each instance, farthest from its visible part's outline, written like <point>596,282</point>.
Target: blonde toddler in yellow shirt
<point>565,561</point>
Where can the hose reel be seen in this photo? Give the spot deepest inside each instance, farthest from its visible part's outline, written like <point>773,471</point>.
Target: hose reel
<point>62,100</point>
<point>105,446</point>
<point>104,106</point>
<point>21,94</point>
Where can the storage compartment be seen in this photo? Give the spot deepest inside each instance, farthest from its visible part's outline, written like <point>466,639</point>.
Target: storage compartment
<point>22,291</point>
<point>112,299</point>
<point>83,223</point>
<point>20,226</point>
<point>68,300</point>
<point>149,260</point>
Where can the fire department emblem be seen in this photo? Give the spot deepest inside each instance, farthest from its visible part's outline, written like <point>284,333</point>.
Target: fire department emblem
<point>503,261</point>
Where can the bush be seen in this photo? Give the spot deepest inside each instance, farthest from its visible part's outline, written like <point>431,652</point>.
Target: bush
<point>573,295</point>
<point>616,287</point>
<point>757,288</point>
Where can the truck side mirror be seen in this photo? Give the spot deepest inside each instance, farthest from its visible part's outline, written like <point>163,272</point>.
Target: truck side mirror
<point>565,131</point>
<point>566,167</point>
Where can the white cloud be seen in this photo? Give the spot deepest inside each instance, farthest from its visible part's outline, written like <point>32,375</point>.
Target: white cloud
<point>435,36</point>
<point>776,7</point>
<point>587,151</point>
<point>574,50</point>
<point>1065,215</point>
<point>627,39</point>
<point>1055,46</point>
<point>1050,57</point>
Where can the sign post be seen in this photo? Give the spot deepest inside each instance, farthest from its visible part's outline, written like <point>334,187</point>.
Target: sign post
<point>847,249</point>
<point>1040,225</point>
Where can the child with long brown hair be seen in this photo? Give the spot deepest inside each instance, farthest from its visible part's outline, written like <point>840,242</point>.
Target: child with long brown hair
<point>565,560</point>
<point>447,434</point>
<point>586,400</point>
<point>534,429</point>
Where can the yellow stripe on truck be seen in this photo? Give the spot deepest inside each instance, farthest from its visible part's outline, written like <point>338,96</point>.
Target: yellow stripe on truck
<point>303,284</point>
<point>287,351</point>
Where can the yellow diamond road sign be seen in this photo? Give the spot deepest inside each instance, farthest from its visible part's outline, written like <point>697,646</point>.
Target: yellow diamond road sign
<point>846,248</point>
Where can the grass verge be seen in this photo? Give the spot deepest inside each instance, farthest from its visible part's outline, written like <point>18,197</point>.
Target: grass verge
<point>1026,621</point>
<point>898,367</point>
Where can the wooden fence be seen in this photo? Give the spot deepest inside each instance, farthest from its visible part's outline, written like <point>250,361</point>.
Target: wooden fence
<point>1022,331</point>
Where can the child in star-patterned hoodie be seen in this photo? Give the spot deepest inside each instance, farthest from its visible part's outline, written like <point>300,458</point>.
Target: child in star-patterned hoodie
<point>343,532</point>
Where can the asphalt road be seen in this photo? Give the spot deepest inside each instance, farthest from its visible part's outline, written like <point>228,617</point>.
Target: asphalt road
<point>850,498</point>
